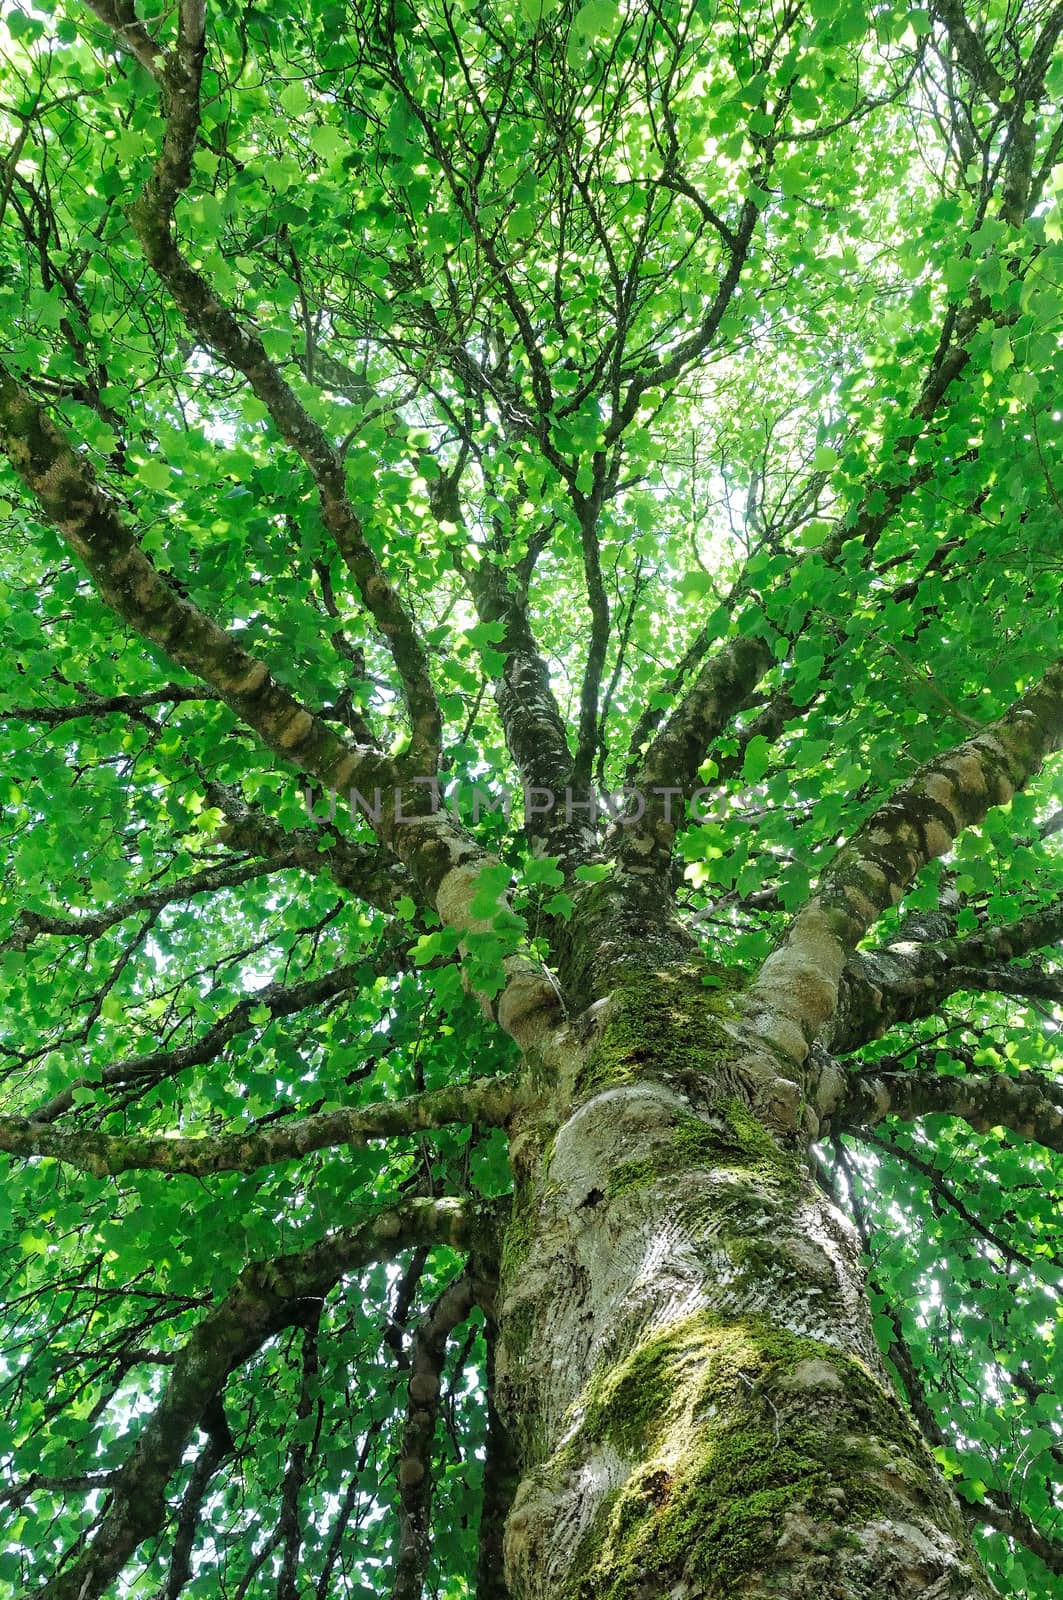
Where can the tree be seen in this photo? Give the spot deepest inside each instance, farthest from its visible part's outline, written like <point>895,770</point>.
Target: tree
<point>532,565</point>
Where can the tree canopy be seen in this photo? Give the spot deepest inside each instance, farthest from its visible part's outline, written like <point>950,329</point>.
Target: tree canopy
<point>459,458</point>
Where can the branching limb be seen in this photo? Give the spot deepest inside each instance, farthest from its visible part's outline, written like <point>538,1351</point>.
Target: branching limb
<point>1013,99</point>
<point>721,687</point>
<point>371,873</point>
<point>31,925</point>
<point>66,486</point>
<point>531,719</point>
<point>1000,1511</point>
<point>280,1000</point>
<point>534,728</point>
<point>668,771</point>
<point>651,717</point>
<point>490,1101</point>
<point>121,17</point>
<point>500,1481</point>
<point>289,1525</point>
<point>796,992</point>
<point>444,860</point>
<point>946,1194</point>
<point>785,520</point>
<point>104,705</point>
<point>657,374</point>
<point>16,1494</point>
<point>219,1445</point>
<point>781,707</point>
<point>598,642</point>
<point>912,977</point>
<point>849,1197</point>
<point>427,1354</point>
<point>997,1509</point>
<point>266,1297</point>
<point>768,724</point>
<point>1025,1103</point>
<point>1005,941</point>
<point>970,51</point>
<point>240,346</point>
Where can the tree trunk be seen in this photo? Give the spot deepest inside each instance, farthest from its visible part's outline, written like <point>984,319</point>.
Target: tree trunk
<point>687,1356</point>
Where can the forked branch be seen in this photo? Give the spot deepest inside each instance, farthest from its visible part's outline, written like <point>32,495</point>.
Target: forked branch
<point>796,992</point>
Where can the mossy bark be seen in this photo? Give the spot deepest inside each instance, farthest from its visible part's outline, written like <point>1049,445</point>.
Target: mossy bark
<point>686,1358</point>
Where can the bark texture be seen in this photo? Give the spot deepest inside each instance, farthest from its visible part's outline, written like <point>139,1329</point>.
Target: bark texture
<point>687,1359</point>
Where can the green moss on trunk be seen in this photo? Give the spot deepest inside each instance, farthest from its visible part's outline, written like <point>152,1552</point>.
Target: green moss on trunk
<point>668,1025</point>
<point>735,1142</point>
<point>733,1428</point>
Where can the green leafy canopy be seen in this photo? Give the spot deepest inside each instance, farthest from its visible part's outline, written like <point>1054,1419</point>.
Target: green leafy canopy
<point>491,371</point>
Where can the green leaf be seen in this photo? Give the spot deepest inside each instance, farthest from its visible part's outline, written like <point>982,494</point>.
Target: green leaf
<point>885,1335</point>
<point>154,474</point>
<point>492,882</point>
<point>294,98</point>
<point>757,759</point>
<point>427,947</point>
<point>1003,356</point>
<point>543,869</point>
<point>597,18</point>
<point>328,142</point>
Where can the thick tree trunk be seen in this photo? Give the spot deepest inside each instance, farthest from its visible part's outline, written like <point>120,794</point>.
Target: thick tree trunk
<point>687,1356</point>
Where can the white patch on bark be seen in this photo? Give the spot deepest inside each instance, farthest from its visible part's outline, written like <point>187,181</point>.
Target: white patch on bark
<point>812,1374</point>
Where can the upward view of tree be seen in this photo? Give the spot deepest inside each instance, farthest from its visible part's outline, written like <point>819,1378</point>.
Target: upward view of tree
<point>533,877</point>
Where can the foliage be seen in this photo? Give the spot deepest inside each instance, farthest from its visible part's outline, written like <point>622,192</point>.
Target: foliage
<point>633,337</point>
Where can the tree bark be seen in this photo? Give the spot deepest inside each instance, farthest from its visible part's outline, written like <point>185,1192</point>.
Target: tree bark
<point>687,1358</point>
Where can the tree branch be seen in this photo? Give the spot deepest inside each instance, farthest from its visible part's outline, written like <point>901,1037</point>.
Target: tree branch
<point>289,1527</point>
<point>66,486</point>
<point>587,508</point>
<point>500,1480</point>
<point>911,978</point>
<point>445,861</point>
<point>266,1297</point>
<point>970,51</point>
<point>531,719</point>
<point>416,1483</point>
<point>999,1510</point>
<point>1025,1103</point>
<point>484,1100</point>
<point>240,346</point>
<point>108,705</point>
<point>30,925</point>
<point>1020,1527</point>
<point>796,991</point>
<point>219,1445</point>
<point>668,770</point>
<point>950,1197</point>
<point>121,17</point>
<point>280,1000</point>
<point>369,872</point>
